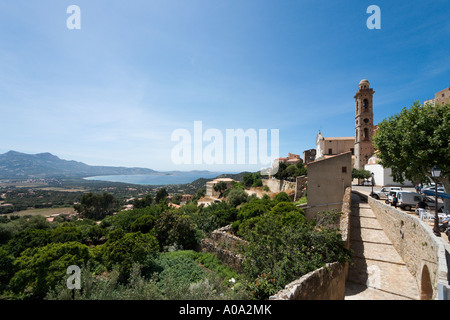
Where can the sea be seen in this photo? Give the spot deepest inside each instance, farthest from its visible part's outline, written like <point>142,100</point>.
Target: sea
<point>161,178</point>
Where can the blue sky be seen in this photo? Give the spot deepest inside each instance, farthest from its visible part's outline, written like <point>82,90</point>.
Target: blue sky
<point>113,92</point>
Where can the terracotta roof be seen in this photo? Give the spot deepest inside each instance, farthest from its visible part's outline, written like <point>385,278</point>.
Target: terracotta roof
<point>340,138</point>
<point>329,156</point>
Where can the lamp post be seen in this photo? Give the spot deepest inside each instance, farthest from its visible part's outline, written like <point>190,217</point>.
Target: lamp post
<point>436,173</point>
<point>373,182</point>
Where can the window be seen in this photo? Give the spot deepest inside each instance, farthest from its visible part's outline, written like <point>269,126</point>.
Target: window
<point>365,105</point>
<point>366,120</point>
<point>366,133</point>
<point>344,169</point>
<point>330,151</point>
<point>353,151</point>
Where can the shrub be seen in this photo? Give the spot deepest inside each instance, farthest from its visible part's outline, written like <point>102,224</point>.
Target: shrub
<point>40,269</point>
<point>127,250</point>
<point>237,197</point>
<point>172,228</point>
<point>281,197</point>
<point>286,246</point>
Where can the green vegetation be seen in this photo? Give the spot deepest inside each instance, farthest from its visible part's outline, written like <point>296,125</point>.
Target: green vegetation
<point>97,207</point>
<point>360,174</point>
<point>149,252</point>
<point>252,180</point>
<point>415,140</point>
<point>290,171</point>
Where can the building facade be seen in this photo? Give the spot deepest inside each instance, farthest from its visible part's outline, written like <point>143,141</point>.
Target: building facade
<point>309,155</point>
<point>210,192</point>
<point>326,146</point>
<point>441,97</point>
<point>327,180</point>
<point>361,145</point>
<point>364,127</point>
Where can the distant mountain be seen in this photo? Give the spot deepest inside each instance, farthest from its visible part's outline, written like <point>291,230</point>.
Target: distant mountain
<point>14,164</point>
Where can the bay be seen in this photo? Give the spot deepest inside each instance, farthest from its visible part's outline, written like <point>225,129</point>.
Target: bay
<point>161,178</point>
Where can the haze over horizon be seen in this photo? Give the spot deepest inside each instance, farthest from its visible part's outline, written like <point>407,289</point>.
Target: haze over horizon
<point>113,92</point>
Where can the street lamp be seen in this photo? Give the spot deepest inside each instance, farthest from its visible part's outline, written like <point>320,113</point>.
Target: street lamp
<point>436,173</point>
<point>373,182</point>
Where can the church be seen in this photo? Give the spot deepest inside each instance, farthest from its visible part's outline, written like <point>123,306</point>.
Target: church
<point>360,145</point>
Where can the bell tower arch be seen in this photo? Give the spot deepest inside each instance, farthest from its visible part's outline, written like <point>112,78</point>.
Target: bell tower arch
<point>363,124</point>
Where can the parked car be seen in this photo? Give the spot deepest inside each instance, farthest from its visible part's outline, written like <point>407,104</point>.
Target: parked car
<point>392,194</point>
<point>384,192</point>
<point>439,189</point>
<point>409,200</point>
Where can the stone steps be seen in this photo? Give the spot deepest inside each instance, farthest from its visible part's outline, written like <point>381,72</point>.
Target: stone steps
<point>377,271</point>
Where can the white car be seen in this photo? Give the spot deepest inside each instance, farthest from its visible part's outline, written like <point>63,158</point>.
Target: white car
<point>384,192</point>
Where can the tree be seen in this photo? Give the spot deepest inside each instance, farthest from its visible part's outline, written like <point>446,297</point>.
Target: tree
<point>413,141</point>
<point>281,173</point>
<point>220,187</point>
<point>66,233</point>
<point>236,197</point>
<point>143,224</point>
<point>144,202</point>
<point>291,170</point>
<point>281,197</point>
<point>96,207</point>
<point>161,195</point>
<point>301,169</point>
<point>127,250</point>
<point>252,179</point>
<point>40,269</point>
<point>95,234</point>
<point>360,174</point>
<point>7,269</point>
<point>175,229</point>
<point>29,238</point>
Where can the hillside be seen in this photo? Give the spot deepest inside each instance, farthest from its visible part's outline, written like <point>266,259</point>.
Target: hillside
<point>15,165</point>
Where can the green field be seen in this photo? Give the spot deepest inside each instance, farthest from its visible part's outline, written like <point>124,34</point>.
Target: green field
<point>46,212</point>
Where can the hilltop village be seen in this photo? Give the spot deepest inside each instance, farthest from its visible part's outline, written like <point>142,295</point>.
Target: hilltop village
<point>319,228</point>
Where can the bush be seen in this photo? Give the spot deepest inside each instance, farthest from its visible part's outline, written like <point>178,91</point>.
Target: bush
<point>29,238</point>
<point>286,246</point>
<point>143,224</point>
<point>175,229</point>
<point>40,269</point>
<point>237,197</point>
<point>127,250</point>
<point>97,207</point>
<point>281,197</point>
<point>66,232</point>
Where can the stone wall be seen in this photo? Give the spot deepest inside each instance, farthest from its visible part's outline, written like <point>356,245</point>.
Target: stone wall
<point>415,242</point>
<point>276,185</point>
<point>223,244</point>
<point>300,187</point>
<point>327,283</point>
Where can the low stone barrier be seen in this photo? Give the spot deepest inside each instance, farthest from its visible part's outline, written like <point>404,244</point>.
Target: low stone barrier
<point>327,283</point>
<point>224,245</point>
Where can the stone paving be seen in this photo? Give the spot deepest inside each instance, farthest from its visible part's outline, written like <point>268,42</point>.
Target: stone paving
<point>377,272</point>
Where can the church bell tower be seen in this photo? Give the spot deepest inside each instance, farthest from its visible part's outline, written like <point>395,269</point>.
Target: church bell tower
<point>363,124</point>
